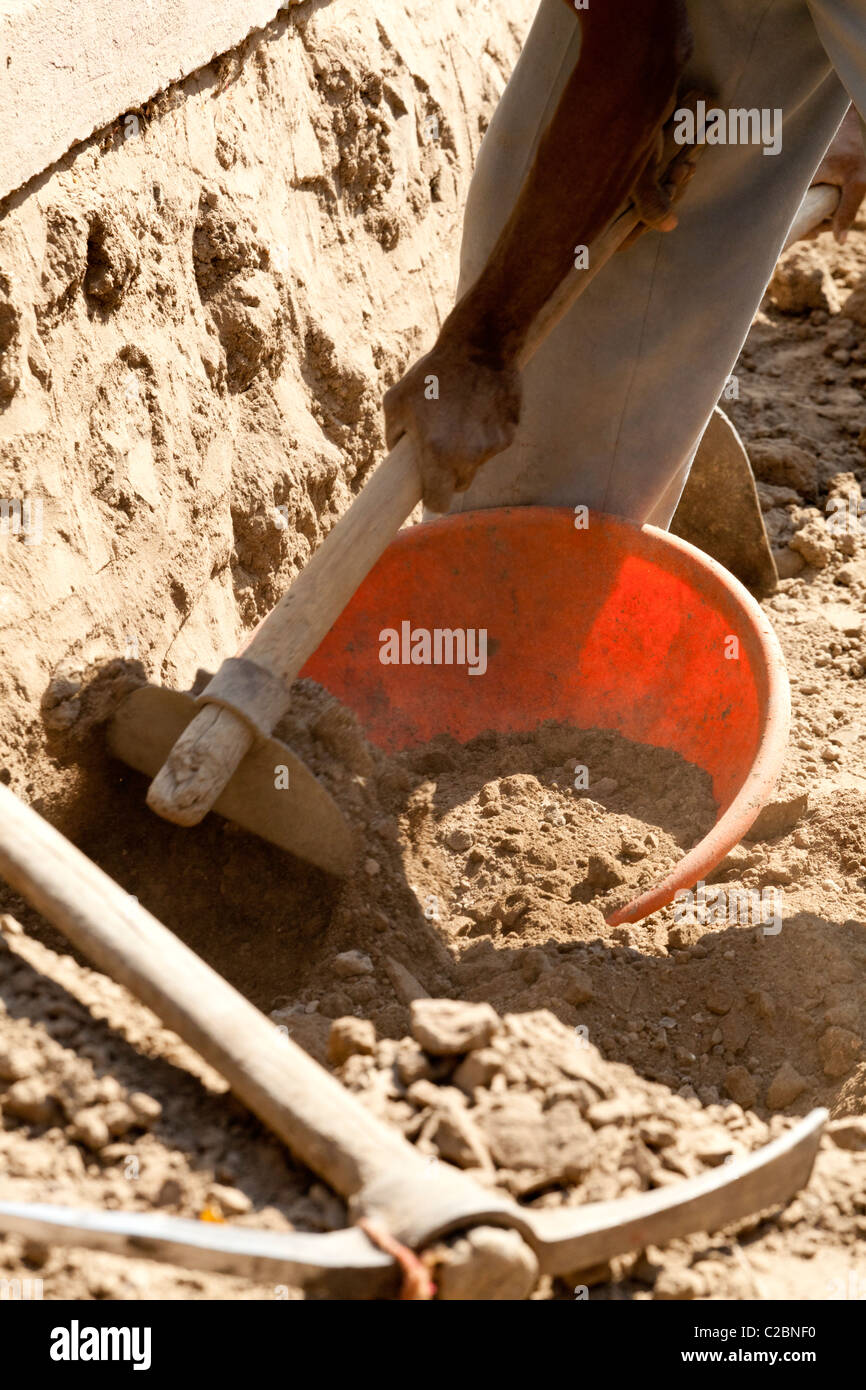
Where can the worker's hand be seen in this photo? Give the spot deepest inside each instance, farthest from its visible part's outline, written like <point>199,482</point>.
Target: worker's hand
<point>458,407</point>
<point>666,174</point>
<point>844,166</point>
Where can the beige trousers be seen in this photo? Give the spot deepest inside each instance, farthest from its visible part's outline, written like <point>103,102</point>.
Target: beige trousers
<point>618,397</point>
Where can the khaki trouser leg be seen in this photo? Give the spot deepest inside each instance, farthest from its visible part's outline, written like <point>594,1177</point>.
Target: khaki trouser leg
<point>618,397</point>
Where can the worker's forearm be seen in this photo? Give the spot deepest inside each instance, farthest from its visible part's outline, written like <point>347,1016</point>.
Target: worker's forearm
<point>598,141</point>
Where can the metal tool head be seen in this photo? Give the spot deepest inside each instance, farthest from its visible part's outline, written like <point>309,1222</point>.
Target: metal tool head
<point>346,1264</point>
<point>273,793</point>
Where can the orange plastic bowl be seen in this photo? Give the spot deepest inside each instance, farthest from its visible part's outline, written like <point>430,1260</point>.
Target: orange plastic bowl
<point>614,626</point>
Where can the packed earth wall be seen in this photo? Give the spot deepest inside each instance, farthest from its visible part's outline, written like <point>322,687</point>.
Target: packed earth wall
<point>200,309</point>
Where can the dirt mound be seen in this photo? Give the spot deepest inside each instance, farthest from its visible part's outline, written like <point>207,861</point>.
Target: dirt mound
<point>523,842</point>
<point>532,1107</point>
<point>103,1107</point>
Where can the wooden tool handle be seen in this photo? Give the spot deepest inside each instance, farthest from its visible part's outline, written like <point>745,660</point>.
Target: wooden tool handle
<point>214,743</point>
<point>296,1098</point>
<point>323,1125</point>
<point>818,205</point>
<point>304,1105</point>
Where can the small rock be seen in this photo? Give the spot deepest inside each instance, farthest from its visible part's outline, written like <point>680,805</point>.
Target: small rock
<point>36,1253</point>
<point>781,813</point>
<point>610,1112</point>
<point>682,935</point>
<point>350,963</point>
<point>146,1109</point>
<point>16,1063</point>
<point>678,1283</point>
<point>447,1027</point>
<point>459,840</point>
<point>802,281</point>
<point>603,872</point>
<point>814,543</point>
<point>405,986</point>
<point>785,465</point>
<point>839,1049</point>
<point>575,986</point>
<point>657,1133</point>
<point>514,1128</point>
<point>852,575</point>
<point>349,1036</point>
<point>478,1069</point>
<point>29,1100</point>
<point>458,1139</point>
<point>534,963</point>
<point>632,849</point>
<point>230,1200</point>
<point>855,306</point>
<point>788,563</point>
<point>119,1116</point>
<point>412,1063</point>
<point>371,867</point>
<point>741,1087</point>
<point>90,1128</point>
<point>718,999</point>
<point>711,1148</point>
<point>309,1031</point>
<point>785,1087</point>
<point>425,1096</point>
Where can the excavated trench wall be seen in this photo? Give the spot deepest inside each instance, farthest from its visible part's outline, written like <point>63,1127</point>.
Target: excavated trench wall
<point>200,308</point>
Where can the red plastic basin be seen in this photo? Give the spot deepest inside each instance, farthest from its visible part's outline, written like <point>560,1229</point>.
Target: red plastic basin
<point>614,626</point>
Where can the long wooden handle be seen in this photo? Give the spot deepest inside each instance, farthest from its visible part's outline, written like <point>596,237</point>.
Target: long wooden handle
<point>818,205</point>
<point>214,743</point>
<point>323,1125</point>
<point>359,1156</point>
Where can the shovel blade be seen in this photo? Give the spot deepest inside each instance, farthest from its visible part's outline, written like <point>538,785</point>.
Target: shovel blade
<point>719,511</point>
<point>301,817</point>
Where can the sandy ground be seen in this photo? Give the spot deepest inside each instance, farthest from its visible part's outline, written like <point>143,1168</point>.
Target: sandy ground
<point>154,358</point>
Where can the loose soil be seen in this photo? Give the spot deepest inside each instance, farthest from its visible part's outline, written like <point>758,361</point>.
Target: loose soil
<point>471,860</point>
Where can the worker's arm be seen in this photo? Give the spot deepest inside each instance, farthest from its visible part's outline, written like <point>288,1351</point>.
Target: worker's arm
<point>601,145</point>
<point>844,166</point>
